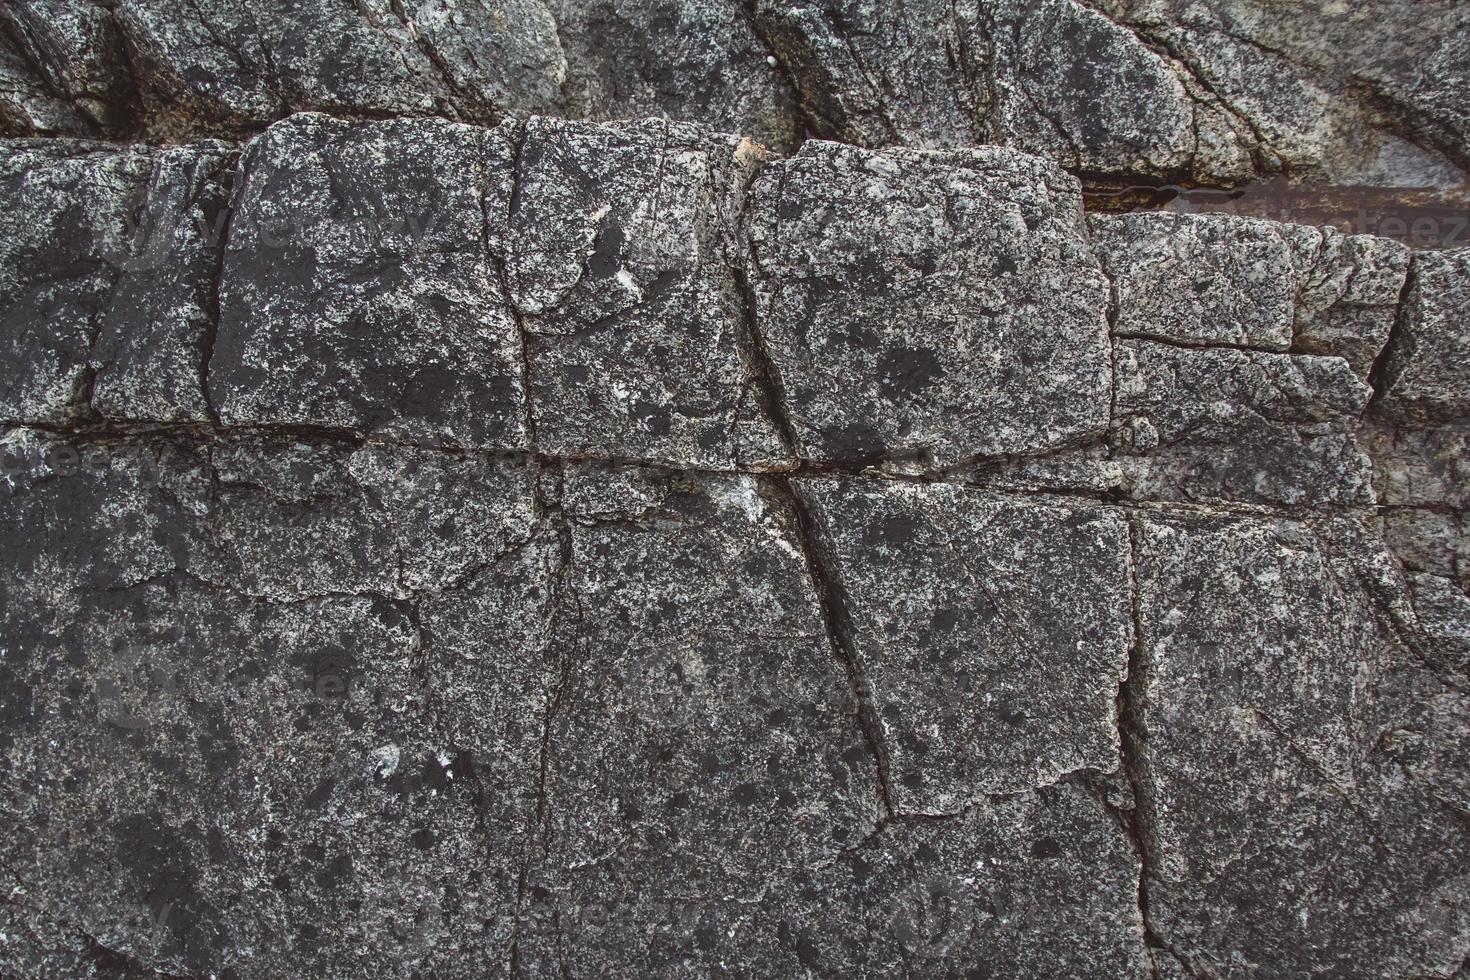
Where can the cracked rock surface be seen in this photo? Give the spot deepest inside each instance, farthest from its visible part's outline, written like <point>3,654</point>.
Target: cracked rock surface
<point>451,532</point>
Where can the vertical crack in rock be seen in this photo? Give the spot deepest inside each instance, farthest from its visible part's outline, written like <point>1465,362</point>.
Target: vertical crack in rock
<point>1398,344</point>
<point>549,511</point>
<point>501,262</point>
<point>804,117</point>
<point>218,237</point>
<point>832,601</point>
<point>412,612</point>
<point>458,98</point>
<point>1133,748</point>
<point>761,369</point>
<point>136,236</point>
<point>1111,353</point>
<point>984,126</point>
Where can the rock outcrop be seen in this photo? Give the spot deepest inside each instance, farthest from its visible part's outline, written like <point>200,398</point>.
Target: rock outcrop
<point>445,539</point>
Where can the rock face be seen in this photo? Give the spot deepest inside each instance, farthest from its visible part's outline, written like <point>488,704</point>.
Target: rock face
<point>449,533</point>
<point>1116,90</point>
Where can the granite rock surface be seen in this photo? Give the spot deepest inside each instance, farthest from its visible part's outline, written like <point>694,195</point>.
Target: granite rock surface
<point>450,532</point>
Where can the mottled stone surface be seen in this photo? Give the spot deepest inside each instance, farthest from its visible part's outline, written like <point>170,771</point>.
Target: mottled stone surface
<point>1428,369</point>
<point>1215,280</point>
<point>891,288</point>
<point>700,61</point>
<point>69,214</point>
<point>1209,279</point>
<point>1114,90</point>
<point>991,634</point>
<point>1356,92</point>
<point>619,251</point>
<point>1300,811</point>
<point>221,66</point>
<point>1198,279</point>
<point>1234,425</point>
<point>439,545</point>
<point>357,290</point>
<point>63,69</point>
<point>149,360</point>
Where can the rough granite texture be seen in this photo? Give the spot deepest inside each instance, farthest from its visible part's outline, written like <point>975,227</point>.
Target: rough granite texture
<point>448,532</point>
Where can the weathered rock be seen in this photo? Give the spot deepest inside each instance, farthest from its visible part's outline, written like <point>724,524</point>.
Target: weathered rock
<point>878,74</point>
<point>150,357</point>
<point>1290,750</point>
<point>1348,294</point>
<point>68,216</point>
<point>1443,608</point>
<point>63,70</point>
<point>891,288</point>
<point>1420,466</point>
<point>27,106</point>
<point>492,57</point>
<point>1118,90</point>
<point>991,889</point>
<point>618,249</point>
<point>1204,280</point>
<point>1357,92</point>
<point>230,65</point>
<point>358,291</point>
<point>600,548</point>
<point>1428,371</point>
<point>686,60</point>
<point>215,65</point>
<point>699,652</point>
<point>1128,89</point>
<point>324,704</point>
<point>1076,88</point>
<point>991,634</point>
<point>1198,279</point>
<point>1234,425</point>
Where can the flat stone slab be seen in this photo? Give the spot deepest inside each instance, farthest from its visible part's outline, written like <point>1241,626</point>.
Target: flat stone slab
<point>1227,424</point>
<point>358,292</point>
<point>892,287</point>
<point>1294,755</point>
<point>991,633</point>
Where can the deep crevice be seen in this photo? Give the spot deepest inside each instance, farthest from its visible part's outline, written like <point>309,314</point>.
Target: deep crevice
<point>218,238</point>
<point>1133,753</point>
<point>836,618</point>
<point>762,370</point>
<point>1398,346</point>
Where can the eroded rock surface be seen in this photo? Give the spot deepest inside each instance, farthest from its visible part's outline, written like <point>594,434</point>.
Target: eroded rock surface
<point>1214,93</point>
<point>559,548</point>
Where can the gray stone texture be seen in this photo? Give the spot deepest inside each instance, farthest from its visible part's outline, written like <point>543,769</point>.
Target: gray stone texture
<point>1211,280</point>
<point>68,217</point>
<point>450,533</point>
<point>357,290</point>
<point>892,287</point>
<point>1115,90</point>
<point>1295,758</point>
<point>1427,375</point>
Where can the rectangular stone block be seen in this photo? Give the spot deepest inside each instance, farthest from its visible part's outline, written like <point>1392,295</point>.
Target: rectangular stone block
<point>1428,370</point>
<point>1217,280</point>
<point>1237,425</point>
<point>358,290</point>
<point>1293,756</point>
<point>67,216</point>
<point>619,249</point>
<point>925,309</point>
<point>992,632</point>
